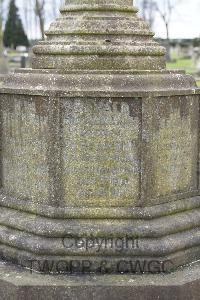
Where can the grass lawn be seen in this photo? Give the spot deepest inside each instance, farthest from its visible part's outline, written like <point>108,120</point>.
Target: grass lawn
<point>184,64</point>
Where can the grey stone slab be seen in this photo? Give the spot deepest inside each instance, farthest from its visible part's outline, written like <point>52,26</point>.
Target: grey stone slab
<point>17,283</point>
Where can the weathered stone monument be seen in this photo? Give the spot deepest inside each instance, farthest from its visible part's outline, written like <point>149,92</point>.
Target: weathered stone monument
<point>100,150</point>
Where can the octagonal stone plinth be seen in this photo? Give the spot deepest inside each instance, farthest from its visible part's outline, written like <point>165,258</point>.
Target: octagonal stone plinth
<point>100,151</point>
<point>104,167</point>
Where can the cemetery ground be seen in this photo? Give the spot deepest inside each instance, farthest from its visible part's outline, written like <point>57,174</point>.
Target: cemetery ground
<point>186,64</point>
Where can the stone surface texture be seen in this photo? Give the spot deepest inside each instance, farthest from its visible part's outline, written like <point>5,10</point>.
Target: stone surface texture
<point>99,148</point>
<point>16,283</point>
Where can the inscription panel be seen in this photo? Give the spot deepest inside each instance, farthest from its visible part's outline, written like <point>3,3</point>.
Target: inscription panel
<point>101,159</point>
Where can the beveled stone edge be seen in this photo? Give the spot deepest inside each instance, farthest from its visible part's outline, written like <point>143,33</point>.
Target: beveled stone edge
<point>109,227</point>
<point>174,206</point>
<point>106,8</point>
<point>58,246</point>
<point>99,94</point>
<point>9,273</point>
<point>99,84</point>
<point>98,72</point>
<point>172,262</point>
<point>82,50</point>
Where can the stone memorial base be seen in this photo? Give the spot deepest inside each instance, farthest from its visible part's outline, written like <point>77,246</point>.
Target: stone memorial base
<point>18,283</point>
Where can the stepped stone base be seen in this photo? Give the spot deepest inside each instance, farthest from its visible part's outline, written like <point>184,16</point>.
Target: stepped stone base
<point>18,283</point>
<point>159,244</point>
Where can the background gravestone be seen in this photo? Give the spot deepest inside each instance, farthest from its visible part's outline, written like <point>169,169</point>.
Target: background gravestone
<point>100,148</point>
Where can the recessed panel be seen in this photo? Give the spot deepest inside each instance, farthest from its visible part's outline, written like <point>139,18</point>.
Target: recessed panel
<point>170,148</point>
<point>25,147</point>
<point>101,152</point>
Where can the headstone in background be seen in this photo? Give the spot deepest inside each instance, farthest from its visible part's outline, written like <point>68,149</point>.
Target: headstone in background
<point>3,65</point>
<point>196,58</point>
